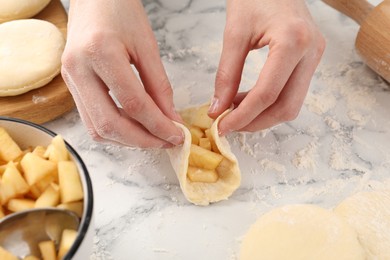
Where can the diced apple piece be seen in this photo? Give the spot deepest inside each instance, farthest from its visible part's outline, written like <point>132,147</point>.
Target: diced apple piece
<point>40,151</point>
<point>9,150</point>
<point>57,151</point>
<point>48,250</point>
<point>35,168</point>
<point>203,158</point>
<point>196,134</point>
<point>69,180</point>
<point>67,239</point>
<point>12,184</point>
<point>16,205</point>
<point>2,169</point>
<point>224,168</point>
<point>31,257</point>
<point>34,192</point>
<point>49,198</point>
<point>205,143</point>
<point>202,175</point>
<point>43,183</point>
<point>2,214</point>
<point>5,255</point>
<point>76,207</point>
<point>214,146</point>
<point>201,119</point>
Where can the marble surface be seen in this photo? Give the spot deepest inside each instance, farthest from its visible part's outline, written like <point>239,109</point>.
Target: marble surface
<point>338,145</point>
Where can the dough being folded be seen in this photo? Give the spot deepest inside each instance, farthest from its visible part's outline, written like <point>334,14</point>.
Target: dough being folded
<point>30,55</point>
<point>20,9</point>
<point>229,173</point>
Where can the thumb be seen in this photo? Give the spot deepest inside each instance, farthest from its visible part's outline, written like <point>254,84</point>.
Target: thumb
<point>228,75</point>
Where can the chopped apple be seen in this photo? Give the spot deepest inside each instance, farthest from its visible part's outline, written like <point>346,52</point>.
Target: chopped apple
<point>57,151</point>
<point>5,255</point>
<point>202,175</point>
<point>205,143</point>
<point>49,198</point>
<point>224,168</point>
<point>201,119</point>
<point>34,192</point>
<point>16,205</point>
<point>2,168</point>
<point>9,150</point>
<point>31,257</point>
<point>48,250</point>
<point>203,158</point>
<point>196,134</point>
<point>2,214</point>
<point>12,184</point>
<point>77,207</point>
<point>43,183</point>
<point>35,168</point>
<point>214,146</point>
<point>67,239</point>
<point>69,180</point>
<point>40,151</point>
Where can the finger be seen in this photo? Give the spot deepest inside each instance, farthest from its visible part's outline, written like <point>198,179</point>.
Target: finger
<point>155,79</point>
<point>231,64</point>
<point>290,100</point>
<point>104,120</point>
<point>79,103</point>
<point>135,101</point>
<point>277,69</point>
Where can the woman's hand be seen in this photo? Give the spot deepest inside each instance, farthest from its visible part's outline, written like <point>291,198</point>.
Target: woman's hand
<point>295,48</point>
<point>104,39</point>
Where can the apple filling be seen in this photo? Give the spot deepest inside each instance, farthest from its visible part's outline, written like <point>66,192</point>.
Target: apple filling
<point>205,160</point>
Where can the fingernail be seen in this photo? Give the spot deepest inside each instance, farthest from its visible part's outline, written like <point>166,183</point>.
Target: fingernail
<point>214,105</point>
<point>223,133</point>
<point>176,139</point>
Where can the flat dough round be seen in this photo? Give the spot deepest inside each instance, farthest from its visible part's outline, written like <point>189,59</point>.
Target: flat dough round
<point>30,55</point>
<point>369,214</point>
<point>20,9</point>
<point>303,232</point>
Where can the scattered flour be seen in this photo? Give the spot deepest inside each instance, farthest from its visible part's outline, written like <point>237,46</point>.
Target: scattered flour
<point>36,99</point>
<point>306,157</point>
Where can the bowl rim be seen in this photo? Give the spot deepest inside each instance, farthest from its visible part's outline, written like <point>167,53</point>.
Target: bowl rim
<point>85,223</point>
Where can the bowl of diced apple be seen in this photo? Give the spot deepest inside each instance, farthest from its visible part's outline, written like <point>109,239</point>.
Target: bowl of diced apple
<point>39,169</point>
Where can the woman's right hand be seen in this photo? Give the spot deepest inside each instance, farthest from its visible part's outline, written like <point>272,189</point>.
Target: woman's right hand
<point>104,39</point>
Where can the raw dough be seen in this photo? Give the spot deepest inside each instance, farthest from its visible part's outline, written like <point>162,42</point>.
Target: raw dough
<point>20,9</point>
<point>369,214</point>
<point>30,55</point>
<point>304,232</point>
<point>205,193</point>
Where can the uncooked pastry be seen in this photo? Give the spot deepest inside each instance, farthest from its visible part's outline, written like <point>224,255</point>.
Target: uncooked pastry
<point>369,214</point>
<point>20,9</point>
<point>30,55</point>
<point>205,193</point>
<point>303,232</point>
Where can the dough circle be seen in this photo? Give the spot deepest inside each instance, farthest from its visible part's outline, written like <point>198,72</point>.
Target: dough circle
<point>303,232</point>
<point>369,214</point>
<point>30,55</point>
<point>20,9</point>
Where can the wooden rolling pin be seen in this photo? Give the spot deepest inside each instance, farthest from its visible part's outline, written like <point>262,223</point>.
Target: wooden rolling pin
<point>373,39</point>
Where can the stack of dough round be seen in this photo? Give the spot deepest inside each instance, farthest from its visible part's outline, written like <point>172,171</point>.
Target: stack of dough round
<point>20,9</point>
<point>30,55</point>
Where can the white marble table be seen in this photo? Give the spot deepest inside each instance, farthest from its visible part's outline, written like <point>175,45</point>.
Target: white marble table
<point>338,145</point>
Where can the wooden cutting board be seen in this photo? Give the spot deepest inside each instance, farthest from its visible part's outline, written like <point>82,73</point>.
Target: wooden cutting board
<point>51,101</point>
